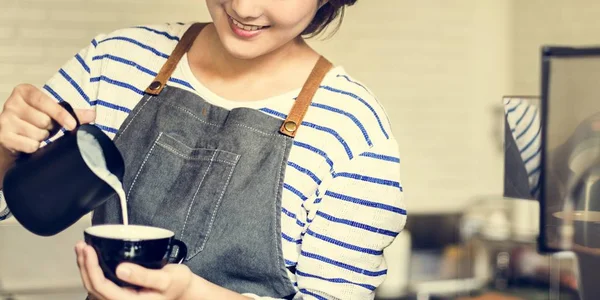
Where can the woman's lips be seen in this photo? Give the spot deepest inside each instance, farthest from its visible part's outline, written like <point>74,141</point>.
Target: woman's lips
<point>245,31</point>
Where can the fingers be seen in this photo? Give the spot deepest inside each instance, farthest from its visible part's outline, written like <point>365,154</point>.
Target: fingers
<point>28,130</point>
<point>41,102</point>
<point>157,280</point>
<point>17,143</point>
<point>81,264</point>
<point>27,119</point>
<point>85,116</point>
<point>19,135</point>
<point>99,285</point>
<point>33,117</point>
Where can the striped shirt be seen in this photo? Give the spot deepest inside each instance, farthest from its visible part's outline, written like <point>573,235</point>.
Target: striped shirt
<point>523,118</point>
<point>342,201</point>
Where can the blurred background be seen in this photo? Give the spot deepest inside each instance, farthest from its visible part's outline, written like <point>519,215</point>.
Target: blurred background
<point>440,68</point>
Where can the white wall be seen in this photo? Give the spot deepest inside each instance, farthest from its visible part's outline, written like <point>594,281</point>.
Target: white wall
<point>438,67</point>
<point>548,22</point>
<point>38,36</point>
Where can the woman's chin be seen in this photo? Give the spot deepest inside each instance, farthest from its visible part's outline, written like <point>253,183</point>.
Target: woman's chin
<point>242,50</point>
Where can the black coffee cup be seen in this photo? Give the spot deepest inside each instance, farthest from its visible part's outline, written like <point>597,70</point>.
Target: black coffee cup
<point>149,247</point>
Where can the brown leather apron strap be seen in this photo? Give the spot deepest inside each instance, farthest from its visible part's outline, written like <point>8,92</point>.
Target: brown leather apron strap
<point>184,45</point>
<point>294,119</point>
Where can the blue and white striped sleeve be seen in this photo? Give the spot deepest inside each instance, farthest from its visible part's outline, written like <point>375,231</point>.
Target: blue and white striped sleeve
<point>72,84</point>
<point>4,211</point>
<point>72,81</point>
<point>359,213</point>
<point>523,118</point>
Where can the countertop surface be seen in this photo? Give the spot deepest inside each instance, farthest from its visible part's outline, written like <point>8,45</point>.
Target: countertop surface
<point>511,293</point>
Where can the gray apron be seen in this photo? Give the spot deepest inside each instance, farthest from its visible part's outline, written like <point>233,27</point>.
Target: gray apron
<point>213,176</point>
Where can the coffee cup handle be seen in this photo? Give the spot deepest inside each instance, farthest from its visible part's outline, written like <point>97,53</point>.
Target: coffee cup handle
<point>181,252</point>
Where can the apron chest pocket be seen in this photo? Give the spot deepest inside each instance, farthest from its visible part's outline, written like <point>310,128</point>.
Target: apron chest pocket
<point>180,188</point>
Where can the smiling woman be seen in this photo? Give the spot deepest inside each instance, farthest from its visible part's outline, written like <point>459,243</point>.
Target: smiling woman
<point>240,25</point>
<point>278,170</point>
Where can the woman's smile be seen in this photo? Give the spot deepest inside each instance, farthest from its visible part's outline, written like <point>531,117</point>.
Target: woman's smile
<point>245,31</point>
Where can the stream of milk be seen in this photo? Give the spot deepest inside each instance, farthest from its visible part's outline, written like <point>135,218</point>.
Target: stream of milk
<point>93,156</point>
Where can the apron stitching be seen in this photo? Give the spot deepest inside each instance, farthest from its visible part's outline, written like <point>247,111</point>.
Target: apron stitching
<point>277,280</point>
<point>174,151</point>
<point>142,166</point>
<point>193,149</point>
<point>279,191</point>
<point>212,218</point>
<point>216,125</point>
<point>196,194</point>
<point>192,114</point>
<point>136,114</point>
<point>255,130</point>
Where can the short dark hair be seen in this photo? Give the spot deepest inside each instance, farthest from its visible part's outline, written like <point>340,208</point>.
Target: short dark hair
<point>326,15</point>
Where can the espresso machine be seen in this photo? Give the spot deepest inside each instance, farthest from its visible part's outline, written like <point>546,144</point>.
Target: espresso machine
<point>569,181</point>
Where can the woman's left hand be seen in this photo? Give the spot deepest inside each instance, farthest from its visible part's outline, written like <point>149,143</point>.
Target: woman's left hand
<point>169,283</point>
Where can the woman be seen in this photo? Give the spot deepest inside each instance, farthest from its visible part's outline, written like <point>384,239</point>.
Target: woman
<point>523,148</point>
<point>279,171</point>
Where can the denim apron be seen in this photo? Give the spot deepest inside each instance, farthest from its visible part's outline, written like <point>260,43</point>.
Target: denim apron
<point>213,176</point>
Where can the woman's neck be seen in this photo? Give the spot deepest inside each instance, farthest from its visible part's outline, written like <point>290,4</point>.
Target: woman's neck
<point>212,55</point>
<point>272,74</point>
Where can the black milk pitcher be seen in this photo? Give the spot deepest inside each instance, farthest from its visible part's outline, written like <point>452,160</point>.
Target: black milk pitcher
<point>49,190</point>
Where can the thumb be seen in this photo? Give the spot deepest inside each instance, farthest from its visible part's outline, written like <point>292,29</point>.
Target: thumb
<point>157,280</point>
<point>85,116</point>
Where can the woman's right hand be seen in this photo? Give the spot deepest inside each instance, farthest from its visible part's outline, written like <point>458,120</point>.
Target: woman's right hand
<point>26,119</point>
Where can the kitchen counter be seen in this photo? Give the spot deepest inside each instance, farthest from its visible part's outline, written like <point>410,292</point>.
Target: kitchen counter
<point>511,293</point>
<point>523,293</point>
<point>52,294</point>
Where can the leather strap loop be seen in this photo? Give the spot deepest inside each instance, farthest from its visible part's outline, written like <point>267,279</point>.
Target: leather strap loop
<point>184,45</point>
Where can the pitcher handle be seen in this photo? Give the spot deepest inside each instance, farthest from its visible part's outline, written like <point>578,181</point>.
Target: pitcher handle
<point>55,126</point>
<point>181,252</point>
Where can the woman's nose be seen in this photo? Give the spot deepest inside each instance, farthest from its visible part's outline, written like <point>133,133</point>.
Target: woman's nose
<point>247,9</point>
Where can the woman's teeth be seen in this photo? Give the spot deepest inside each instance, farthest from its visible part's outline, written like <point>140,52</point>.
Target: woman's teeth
<point>246,27</point>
